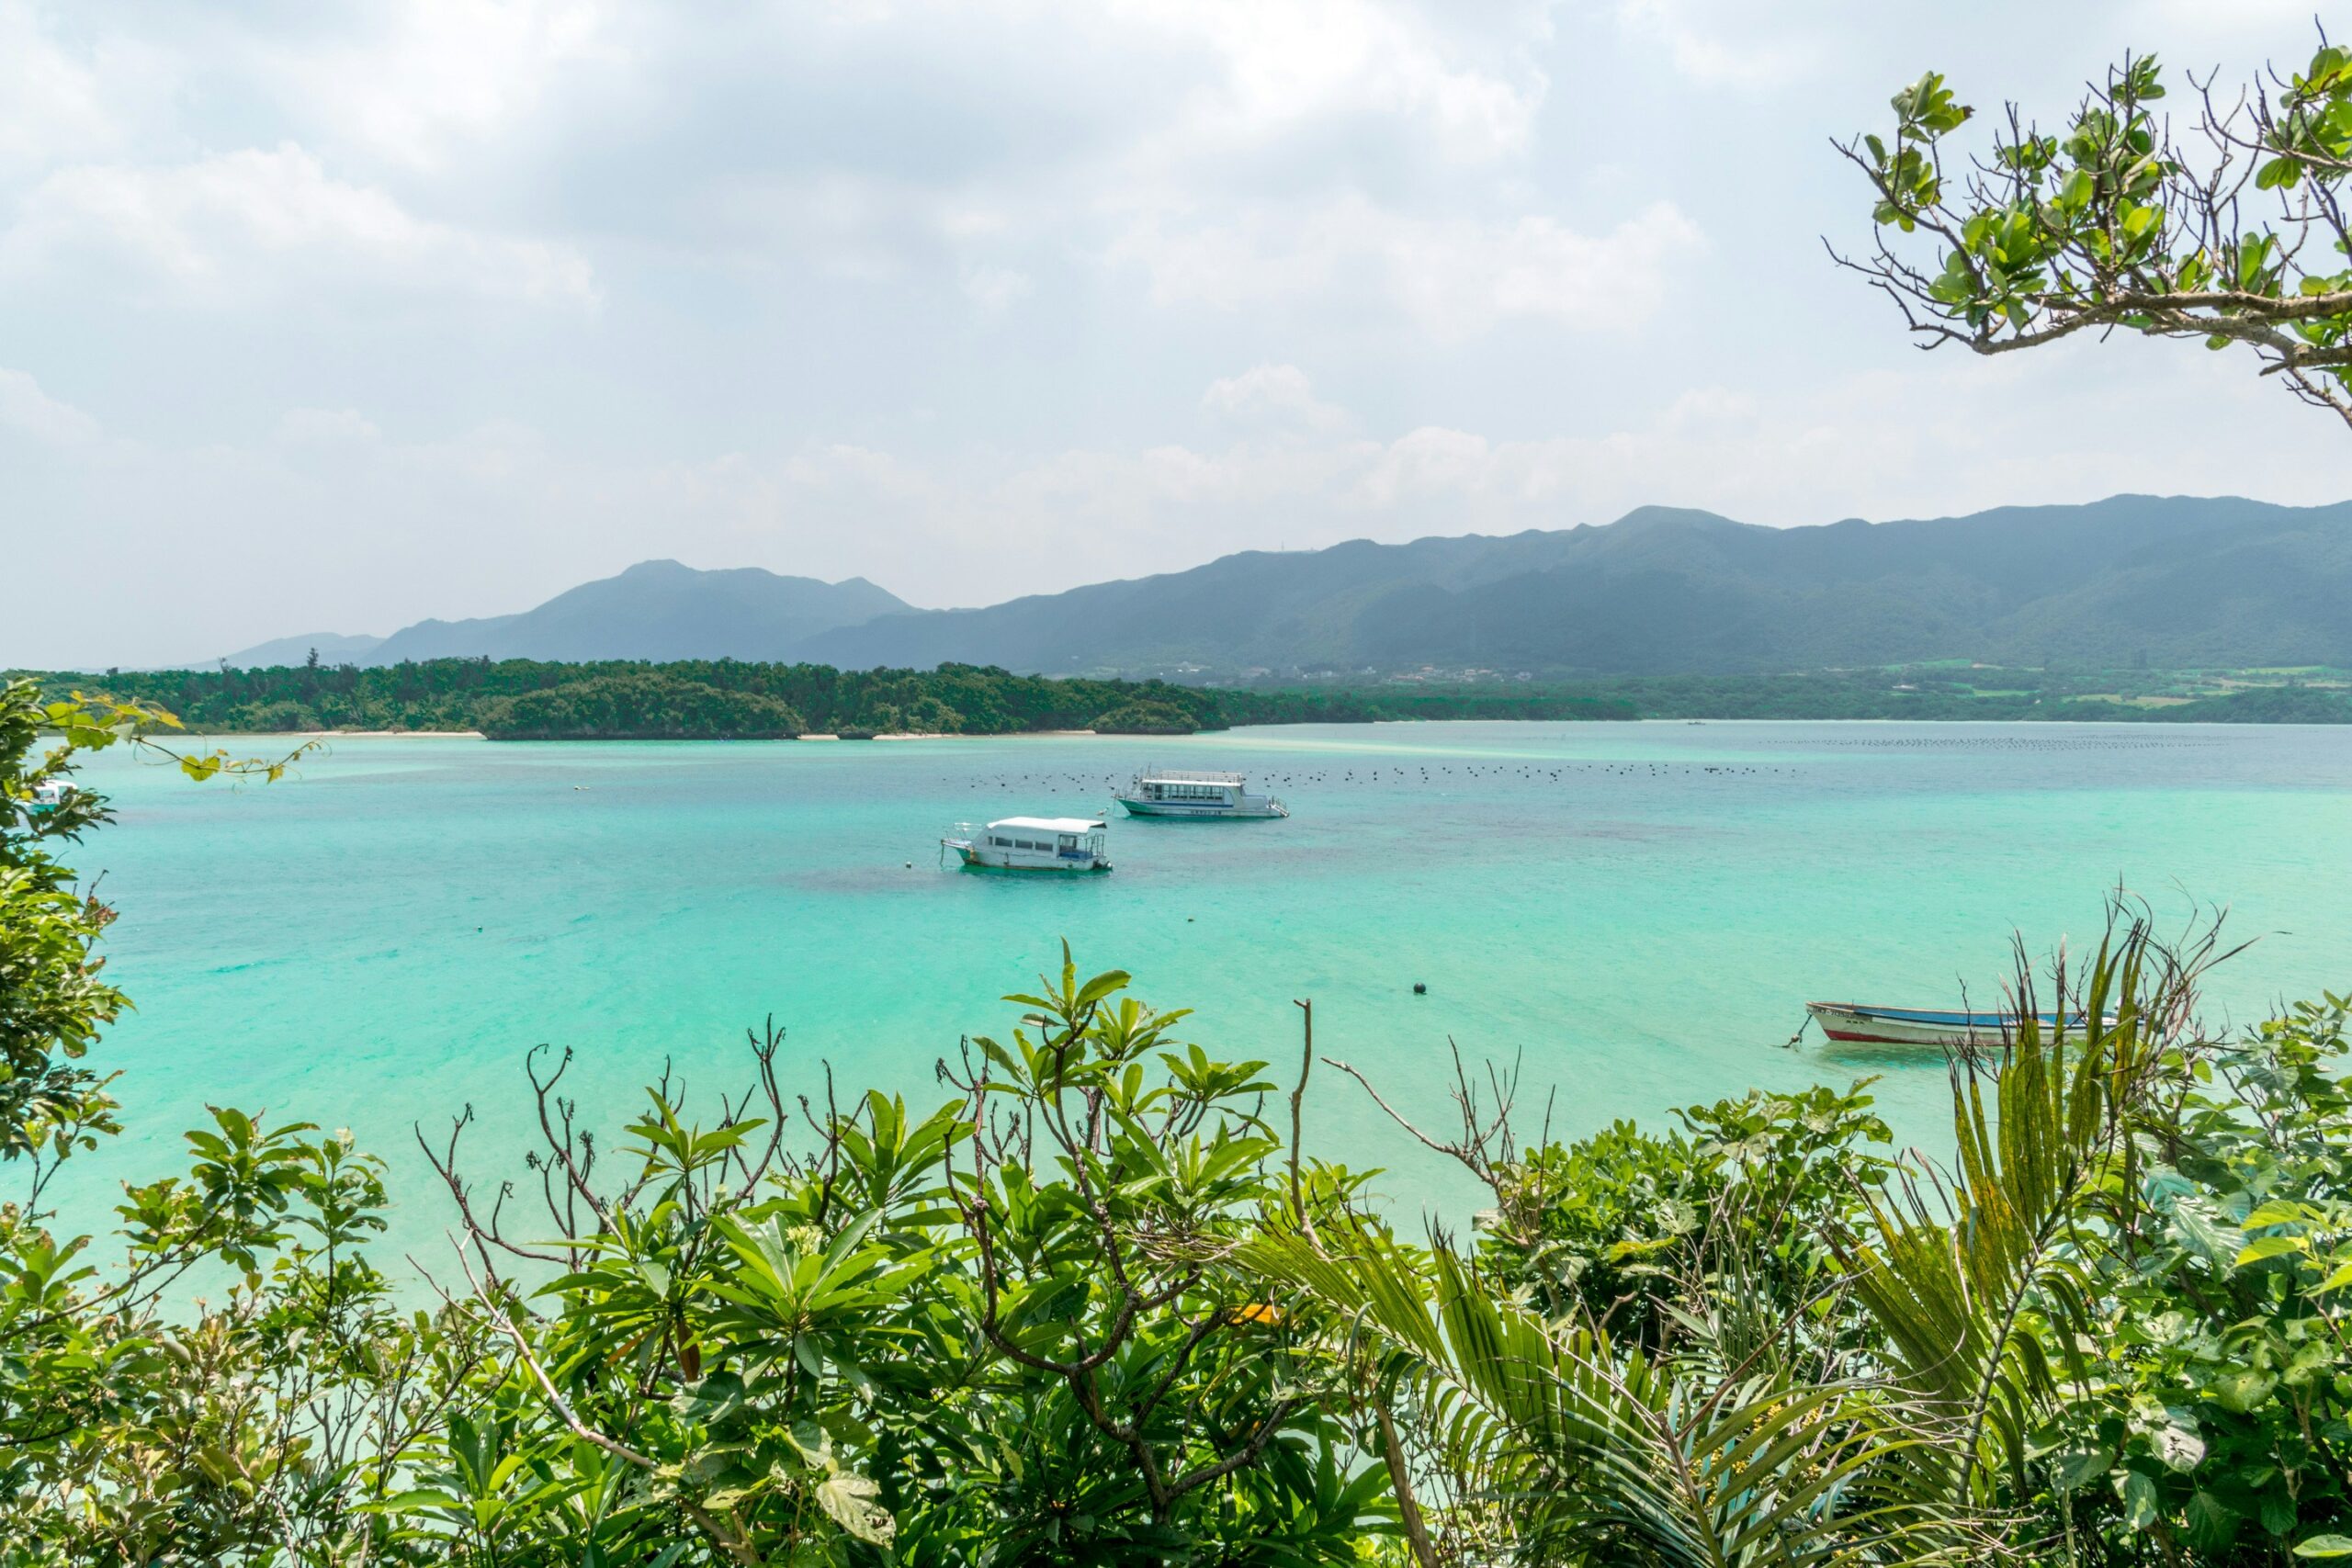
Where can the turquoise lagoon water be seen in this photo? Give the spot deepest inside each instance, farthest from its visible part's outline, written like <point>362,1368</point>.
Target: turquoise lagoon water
<point>1633,912</point>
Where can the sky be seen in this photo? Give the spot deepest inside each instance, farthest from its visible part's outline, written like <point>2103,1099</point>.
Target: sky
<point>331,318</point>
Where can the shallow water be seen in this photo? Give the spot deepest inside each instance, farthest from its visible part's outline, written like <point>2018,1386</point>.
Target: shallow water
<point>1635,912</point>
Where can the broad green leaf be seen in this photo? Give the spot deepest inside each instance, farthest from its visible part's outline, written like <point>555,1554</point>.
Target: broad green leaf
<point>849,1500</point>
<point>2178,1443</point>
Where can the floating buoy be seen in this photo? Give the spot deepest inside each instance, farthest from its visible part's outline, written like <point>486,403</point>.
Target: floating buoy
<point>1421,989</point>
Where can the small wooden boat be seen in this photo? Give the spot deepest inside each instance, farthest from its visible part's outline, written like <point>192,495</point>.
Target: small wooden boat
<point>1858,1024</point>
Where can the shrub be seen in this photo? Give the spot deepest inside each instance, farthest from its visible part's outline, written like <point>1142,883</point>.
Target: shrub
<point>645,706</point>
<point>1145,717</point>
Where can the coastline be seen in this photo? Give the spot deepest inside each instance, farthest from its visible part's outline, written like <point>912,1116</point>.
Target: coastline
<point>477,735</point>
<point>372,734</point>
<point>957,735</point>
<point>2074,721</point>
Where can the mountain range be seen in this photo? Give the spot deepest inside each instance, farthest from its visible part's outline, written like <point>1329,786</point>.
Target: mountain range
<point>2177,581</point>
<point>656,610</point>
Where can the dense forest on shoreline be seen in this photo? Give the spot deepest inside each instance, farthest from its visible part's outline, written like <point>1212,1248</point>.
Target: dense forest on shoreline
<point>527,699</point>
<point>725,699</point>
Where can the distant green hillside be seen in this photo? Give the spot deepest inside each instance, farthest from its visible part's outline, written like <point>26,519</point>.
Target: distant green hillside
<point>2176,582</point>
<point>1938,692</point>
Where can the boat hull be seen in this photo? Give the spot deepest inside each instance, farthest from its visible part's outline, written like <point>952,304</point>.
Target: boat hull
<point>1255,809</point>
<point>1853,1023</point>
<point>977,859</point>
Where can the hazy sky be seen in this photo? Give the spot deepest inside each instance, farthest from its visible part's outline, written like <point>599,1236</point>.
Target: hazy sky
<point>333,317</point>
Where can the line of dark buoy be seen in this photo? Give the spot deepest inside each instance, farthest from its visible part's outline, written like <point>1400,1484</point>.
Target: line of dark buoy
<point>1524,775</point>
<point>2019,743</point>
<point>1523,770</point>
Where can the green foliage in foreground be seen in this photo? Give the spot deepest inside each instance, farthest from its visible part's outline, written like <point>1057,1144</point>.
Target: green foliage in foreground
<point>1103,1304</point>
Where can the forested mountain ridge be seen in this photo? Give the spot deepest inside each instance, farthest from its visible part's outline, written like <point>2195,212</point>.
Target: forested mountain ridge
<point>656,610</point>
<point>2172,581</point>
<point>332,647</point>
<point>2182,581</point>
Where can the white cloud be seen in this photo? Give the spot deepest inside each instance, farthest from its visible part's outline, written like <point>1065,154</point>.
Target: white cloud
<point>250,224</point>
<point>1453,276</point>
<point>994,289</point>
<point>28,410</point>
<point>327,428</point>
<point>57,101</point>
<point>1284,64</point>
<point>431,78</point>
<point>1275,393</point>
<point>1428,462</point>
<point>1724,50</point>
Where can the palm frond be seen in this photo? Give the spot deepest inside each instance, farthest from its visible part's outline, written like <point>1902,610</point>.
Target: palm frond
<point>1983,1285</point>
<point>1590,1449</point>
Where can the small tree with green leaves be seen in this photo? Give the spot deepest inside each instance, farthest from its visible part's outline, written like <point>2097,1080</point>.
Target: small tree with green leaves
<point>254,1426</point>
<point>1015,1330</point>
<point>2234,235</point>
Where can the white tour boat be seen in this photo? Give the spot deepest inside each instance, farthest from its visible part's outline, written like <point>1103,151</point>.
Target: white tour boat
<point>50,794</point>
<point>1172,792</point>
<point>1035,843</point>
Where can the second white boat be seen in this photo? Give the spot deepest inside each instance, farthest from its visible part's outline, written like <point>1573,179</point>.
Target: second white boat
<point>1175,792</point>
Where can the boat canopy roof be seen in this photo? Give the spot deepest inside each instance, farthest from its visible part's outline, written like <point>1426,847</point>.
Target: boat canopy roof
<point>1051,824</point>
<point>1186,775</point>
